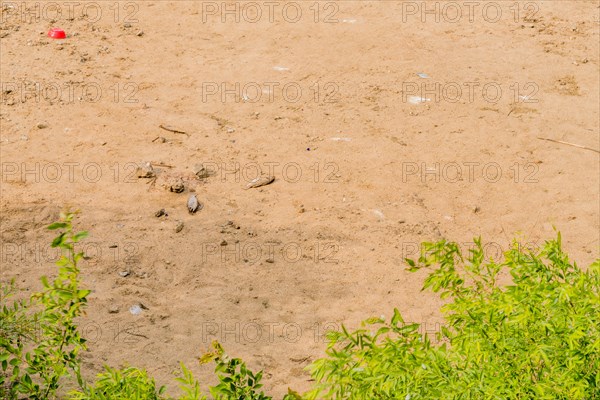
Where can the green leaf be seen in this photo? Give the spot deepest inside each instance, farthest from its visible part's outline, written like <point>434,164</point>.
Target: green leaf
<point>57,225</point>
<point>397,318</point>
<point>59,240</point>
<point>80,235</point>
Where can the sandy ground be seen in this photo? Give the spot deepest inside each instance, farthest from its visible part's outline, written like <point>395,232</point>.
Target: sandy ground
<point>370,159</point>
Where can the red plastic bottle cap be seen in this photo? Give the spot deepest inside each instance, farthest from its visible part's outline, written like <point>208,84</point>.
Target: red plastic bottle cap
<point>57,33</point>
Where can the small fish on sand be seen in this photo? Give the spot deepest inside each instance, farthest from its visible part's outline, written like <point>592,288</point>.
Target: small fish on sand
<point>193,204</point>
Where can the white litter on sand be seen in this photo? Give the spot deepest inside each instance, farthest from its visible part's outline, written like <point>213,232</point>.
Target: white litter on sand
<point>135,309</point>
<point>379,213</point>
<point>417,99</point>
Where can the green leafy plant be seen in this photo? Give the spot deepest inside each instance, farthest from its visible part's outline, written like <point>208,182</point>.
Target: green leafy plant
<point>16,327</point>
<point>38,363</point>
<point>126,384</point>
<point>132,383</point>
<point>535,338</point>
<point>189,385</point>
<point>236,380</point>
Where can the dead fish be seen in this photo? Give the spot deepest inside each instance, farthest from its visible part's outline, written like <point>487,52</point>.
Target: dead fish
<point>193,204</point>
<point>260,181</point>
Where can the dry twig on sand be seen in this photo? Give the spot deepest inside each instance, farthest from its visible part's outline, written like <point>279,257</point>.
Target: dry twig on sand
<point>171,129</point>
<point>569,144</point>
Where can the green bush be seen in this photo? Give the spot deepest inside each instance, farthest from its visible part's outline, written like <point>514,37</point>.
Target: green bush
<point>535,338</point>
<point>34,365</point>
<point>127,384</point>
<point>238,382</point>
